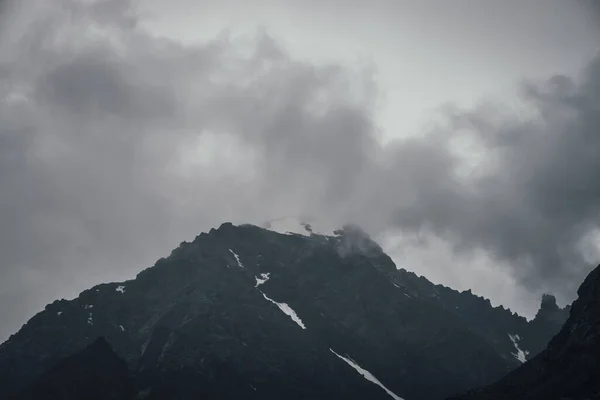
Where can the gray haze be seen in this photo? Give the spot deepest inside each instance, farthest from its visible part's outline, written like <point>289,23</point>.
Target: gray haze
<point>116,145</point>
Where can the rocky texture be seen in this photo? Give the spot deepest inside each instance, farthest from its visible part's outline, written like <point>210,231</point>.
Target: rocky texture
<point>544,325</point>
<point>508,332</point>
<point>209,321</point>
<point>95,373</point>
<point>570,366</point>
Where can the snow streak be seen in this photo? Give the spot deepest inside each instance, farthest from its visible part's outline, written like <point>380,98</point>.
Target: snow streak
<point>367,375</point>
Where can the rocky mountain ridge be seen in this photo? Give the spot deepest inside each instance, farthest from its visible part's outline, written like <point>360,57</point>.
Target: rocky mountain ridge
<point>569,368</point>
<point>298,314</point>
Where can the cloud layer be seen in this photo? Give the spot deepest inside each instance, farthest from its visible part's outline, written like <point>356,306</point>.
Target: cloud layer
<point>115,145</point>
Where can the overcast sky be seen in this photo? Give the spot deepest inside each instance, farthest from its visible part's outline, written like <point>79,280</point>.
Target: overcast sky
<point>462,134</point>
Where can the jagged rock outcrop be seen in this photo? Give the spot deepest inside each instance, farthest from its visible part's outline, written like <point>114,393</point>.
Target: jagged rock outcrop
<point>544,326</point>
<point>246,312</point>
<point>569,368</point>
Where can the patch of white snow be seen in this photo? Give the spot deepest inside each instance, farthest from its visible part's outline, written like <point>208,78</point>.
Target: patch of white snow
<point>90,321</point>
<point>367,375</point>
<point>263,278</point>
<point>59,313</point>
<point>297,226</point>
<point>122,329</point>
<point>520,354</point>
<point>287,310</point>
<point>237,258</point>
<point>87,306</point>
<point>120,289</point>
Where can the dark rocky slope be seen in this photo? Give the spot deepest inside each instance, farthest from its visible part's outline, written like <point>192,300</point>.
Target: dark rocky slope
<point>569,368</point>
<point>95,373</point>
<point>198,324</point>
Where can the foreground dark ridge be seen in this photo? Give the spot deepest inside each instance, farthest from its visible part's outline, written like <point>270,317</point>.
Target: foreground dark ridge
<point>95,373</point>
<point>245,312</point>
<point>569,368</point>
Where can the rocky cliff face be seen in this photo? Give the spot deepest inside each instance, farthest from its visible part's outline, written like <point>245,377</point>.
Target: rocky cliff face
<point>570,366</point>
<point>246,312</point>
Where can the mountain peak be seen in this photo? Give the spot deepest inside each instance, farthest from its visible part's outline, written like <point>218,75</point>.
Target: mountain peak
<point>548,304</point>
<point>550,311</point>
<point>246,312</point>
<point>298,226</point>
<point>549,300</point>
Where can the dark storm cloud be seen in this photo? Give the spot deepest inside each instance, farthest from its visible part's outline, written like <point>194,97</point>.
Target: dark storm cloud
<point>535,196</point>
<point>532,200</point>
<point>96,116</point>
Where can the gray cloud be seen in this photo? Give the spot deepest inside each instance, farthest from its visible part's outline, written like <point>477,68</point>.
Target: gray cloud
<point>534,197</point>
<point>116,145</point>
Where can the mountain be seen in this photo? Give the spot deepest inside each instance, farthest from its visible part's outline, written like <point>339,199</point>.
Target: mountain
<point>569,368</point>
<point>249,312</point>
<point>95,373</point>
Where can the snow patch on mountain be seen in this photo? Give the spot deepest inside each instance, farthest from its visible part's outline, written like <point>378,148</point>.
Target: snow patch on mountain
<point>237,258</point>
<point>287,310</point>
<point>297,226</point>
<point>263,278</point>
<point>520,355</point>
<point>367,375</point>
<point>120,289</point>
